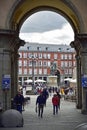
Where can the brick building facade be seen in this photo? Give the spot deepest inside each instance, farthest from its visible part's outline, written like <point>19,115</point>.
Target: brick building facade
<point>36,61</point>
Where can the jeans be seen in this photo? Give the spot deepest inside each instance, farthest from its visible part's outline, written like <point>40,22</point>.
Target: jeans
<point>55,109</point>
<point>19,108</point>
<point>40,110</point>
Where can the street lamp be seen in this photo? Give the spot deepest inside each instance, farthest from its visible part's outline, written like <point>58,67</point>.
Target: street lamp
<point>32,57</point>
<point>68,61</point>
<point>32,72</point>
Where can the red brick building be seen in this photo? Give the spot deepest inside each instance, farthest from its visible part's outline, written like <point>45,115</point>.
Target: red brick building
<point>36,61</point>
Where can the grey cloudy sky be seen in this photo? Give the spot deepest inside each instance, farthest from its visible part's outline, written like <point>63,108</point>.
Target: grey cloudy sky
<point>47,27</point>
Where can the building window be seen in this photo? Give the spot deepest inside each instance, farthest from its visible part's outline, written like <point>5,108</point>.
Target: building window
<point>55,56</point>
<point>46,48</point>
<point>38,48</point>
<point>35,71</point>
<point>59,49</point>
<point>74,63</point>
<point>29,55</point>
<point>73,56</point>
<point>62,64</point>
<point>66,57</point>
<point>40,63</point>
<point>48,56</point>
<point>20,70</point>
<point>20,62</point>
<point>25,71</point>
<point>30,71</point>
<point>45,71</point>
<point>20,54</point>
<point>44,55</point>
<point>24,55</point>
<point>40,55</point>
<point>28,47</point>
<point>35,55</point>
<point>44,63</point>
<point>30,63</point>
<point>35,63</point>
<point>70,56</point>
<point>70,63</point>
<point>66,63</point>
<point>66,71</point>
<point>49,63</point>
<point>25,62</point>
<point>70,71</point>
<point>40,71</point>
<point>62,56</point>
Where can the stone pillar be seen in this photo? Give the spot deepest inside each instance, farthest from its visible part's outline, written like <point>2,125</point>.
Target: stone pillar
<point>5,66</point>
<point>14,73</point>
<point>84,89</point>
<point>79,87</point>
<point>76,46</point>
<point>81,43</point>
<point>9,45</point>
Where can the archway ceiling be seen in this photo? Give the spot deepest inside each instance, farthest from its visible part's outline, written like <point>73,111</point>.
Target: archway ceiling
<point>29,6</point>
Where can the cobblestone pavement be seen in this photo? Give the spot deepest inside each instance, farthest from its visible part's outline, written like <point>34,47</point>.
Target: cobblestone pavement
<point>67,119</point>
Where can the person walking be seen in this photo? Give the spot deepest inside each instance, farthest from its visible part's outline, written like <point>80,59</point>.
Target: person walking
<point>40,102</point>
<point>59,96</point>
<point>19,101</point>
<point>45,94</point>
<point>55,102</point>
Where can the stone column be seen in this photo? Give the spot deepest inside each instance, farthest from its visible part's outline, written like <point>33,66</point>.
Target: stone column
<point>79,87</point>
<point>14,73</point>
<point>82,40</point>
<point>76,46</point>
<point>84,89</point>
<point>9,45</point>
<point>5,66</point>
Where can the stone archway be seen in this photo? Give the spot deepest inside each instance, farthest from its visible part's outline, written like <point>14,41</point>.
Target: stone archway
<point>24,9</point>
<point>16,13</point>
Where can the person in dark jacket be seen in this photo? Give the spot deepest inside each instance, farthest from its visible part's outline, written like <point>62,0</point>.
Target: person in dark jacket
<point>40,101</point>
<point>46,95</point>
<point>19,101</point>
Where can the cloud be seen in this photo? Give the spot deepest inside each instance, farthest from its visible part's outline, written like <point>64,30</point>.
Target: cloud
<point>59,36</point>
<point>43,21</point>
<point>47,27</point>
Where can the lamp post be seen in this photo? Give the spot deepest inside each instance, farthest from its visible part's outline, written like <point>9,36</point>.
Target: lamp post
<point>68,60</point>
<point>32,72</point>
<point>68,49</point>
<point>32,58</point>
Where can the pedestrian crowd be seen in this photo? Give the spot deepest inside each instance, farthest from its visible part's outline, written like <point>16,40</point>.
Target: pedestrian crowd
<point>41,102</point>
<point>19,102</point>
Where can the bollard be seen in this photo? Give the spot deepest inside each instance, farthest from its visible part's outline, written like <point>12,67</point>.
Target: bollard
<point>12,118</point>
<point>81,127</point>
